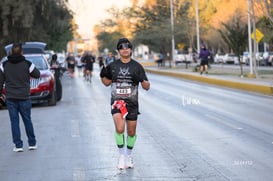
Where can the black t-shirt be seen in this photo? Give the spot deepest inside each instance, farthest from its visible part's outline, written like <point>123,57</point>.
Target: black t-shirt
<point>124,78</point>
<point>88,60</point>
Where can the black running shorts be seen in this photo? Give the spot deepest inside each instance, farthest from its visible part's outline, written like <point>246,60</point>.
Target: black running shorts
<point>132,112</point>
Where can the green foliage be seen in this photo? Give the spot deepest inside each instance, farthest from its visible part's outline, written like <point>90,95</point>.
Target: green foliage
<point>150,27</point>
<point>108,40</point>
<point>235,34</point>
<point>151,22</point>
<point>154,27</point>
<point>35,20</point>
<point>266,26</point>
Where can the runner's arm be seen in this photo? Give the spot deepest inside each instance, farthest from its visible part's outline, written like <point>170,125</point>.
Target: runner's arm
<point>105,76</point>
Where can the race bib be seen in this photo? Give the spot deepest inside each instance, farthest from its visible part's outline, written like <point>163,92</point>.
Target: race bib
<point>123,91</point>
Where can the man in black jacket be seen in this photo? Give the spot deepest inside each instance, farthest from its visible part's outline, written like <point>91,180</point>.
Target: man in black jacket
<point>16,73</point>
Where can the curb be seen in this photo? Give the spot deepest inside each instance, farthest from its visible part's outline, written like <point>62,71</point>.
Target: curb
<point>258,88</point>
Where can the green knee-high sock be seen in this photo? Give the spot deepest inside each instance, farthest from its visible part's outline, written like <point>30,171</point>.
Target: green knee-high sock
<point>119,139</point>
<point>130,144</point>
<point>120,142</point>
<point>131,141</point>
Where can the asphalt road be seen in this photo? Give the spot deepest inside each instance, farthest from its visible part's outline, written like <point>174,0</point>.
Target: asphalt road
<point>186,131</point>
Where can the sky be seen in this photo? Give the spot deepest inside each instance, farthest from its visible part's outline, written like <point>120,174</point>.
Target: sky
<point>90,12</point>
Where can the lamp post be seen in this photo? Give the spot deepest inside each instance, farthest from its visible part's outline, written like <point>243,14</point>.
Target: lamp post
<point>197,28</point>
<point>249,38</point>
<point>172,28</point>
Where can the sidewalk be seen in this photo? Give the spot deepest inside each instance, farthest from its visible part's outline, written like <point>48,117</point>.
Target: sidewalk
<point>226,76</point>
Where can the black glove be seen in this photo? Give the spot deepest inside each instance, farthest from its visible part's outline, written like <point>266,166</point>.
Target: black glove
<point>103,72</point>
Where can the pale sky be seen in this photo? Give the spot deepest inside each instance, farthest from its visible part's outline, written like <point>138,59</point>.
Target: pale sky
<point>90,12</point>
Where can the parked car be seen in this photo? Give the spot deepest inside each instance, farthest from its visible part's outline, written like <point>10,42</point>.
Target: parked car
<point>219,58</point>
<point>48,54</point>
<point>267,58</point>
<point>259,58</point>
<point>270,58</point>
<point>245,58</point>
<point>183,58</point>
<point>43,89</point>
<point>61,60</point>
<point>230,58</point>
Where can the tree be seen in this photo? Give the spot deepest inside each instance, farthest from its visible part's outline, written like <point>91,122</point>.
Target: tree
<point>153,27</point>
<point>268,9</point>
<point>235,35</point>
<point>266,25</point>
<point>108,40</point>
<point>35,20</point>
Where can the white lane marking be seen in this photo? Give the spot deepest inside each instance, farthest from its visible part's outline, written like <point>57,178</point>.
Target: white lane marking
<point>224,122</point>
<point>75,129</point>
<point>79,174</point>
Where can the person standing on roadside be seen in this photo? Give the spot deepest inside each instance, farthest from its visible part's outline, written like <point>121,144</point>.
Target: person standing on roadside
<point>110,58</point>
<point>124,76</point>
<point>204,57</point>
<point>15,73</point>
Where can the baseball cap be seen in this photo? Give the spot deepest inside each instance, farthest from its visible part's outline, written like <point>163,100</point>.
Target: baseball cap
<point>124,43</point>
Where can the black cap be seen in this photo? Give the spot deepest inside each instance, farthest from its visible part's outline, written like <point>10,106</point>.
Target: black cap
<point>123,40</point>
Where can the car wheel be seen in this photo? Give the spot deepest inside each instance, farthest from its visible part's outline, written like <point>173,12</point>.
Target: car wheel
<point>52,101</point>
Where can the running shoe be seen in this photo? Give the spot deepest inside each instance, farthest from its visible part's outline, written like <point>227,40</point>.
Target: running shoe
<point>121,163</point>
<point>18,149</point>
<point>34,147</point>
<point>130,163</point>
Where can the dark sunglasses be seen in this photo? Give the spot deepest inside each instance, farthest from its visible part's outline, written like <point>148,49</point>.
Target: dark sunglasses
<point>124,46</point>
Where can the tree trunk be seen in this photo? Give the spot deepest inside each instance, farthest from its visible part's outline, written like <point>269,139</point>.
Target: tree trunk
<point>241,66</point>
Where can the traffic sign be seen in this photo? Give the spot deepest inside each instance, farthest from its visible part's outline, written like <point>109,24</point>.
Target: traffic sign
<point>259,35</point>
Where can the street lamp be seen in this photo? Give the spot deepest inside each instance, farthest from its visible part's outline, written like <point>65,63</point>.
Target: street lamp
<point>197,28</point>
<point>249,38</point>
<point>172,28</point>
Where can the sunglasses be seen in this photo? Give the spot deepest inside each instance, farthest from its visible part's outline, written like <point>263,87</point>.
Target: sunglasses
<point>124,46</point>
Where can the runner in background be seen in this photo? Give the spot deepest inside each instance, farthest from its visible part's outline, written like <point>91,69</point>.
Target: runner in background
<point>71,64</point>
<point>79,64</point>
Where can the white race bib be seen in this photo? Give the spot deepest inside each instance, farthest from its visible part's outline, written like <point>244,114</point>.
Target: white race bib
<point>123,91</point>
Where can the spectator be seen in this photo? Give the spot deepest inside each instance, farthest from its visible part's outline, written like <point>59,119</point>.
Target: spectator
<point>110,58</point>
<point>204,57</point>
<point>16,73</point>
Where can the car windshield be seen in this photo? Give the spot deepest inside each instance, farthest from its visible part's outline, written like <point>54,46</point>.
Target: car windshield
<point>39,62</point>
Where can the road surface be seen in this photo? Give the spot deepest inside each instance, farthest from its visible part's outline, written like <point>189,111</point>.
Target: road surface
<point>186,131</point>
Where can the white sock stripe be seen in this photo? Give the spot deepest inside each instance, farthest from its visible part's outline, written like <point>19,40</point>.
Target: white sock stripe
<point>1,67</point>
<point>31,68</point>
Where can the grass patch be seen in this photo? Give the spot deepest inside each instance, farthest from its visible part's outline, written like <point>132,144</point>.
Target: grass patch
<point>265,72</point>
